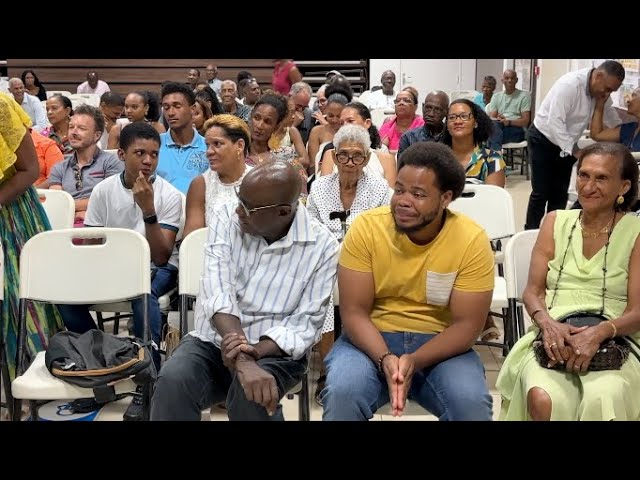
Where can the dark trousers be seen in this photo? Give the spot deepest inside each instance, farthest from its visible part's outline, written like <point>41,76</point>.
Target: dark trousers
<point>502,135</point>
<point>194,378</point>
<point>550,176</point>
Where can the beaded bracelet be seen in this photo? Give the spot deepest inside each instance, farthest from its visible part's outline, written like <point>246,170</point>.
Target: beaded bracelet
<point>382,357</point>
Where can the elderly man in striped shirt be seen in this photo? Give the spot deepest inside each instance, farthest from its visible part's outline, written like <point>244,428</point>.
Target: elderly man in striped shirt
<point>269,271</point>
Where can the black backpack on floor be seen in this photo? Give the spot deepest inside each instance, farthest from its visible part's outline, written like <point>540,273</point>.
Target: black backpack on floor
<point>96,359</point>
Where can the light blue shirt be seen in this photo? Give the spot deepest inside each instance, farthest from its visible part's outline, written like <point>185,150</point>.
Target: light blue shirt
<point>177,164</point>
<point>33,107</point>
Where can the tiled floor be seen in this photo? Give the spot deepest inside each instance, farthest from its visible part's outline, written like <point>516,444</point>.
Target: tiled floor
<point>520,189</point>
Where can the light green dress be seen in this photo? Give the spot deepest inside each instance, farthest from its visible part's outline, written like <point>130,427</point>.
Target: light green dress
<point>603,395</point>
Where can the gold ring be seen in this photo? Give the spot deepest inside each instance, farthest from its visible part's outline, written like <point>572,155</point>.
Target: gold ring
<point>553,344</point>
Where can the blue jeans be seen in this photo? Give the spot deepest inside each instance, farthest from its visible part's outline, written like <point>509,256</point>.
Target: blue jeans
<point>502,135</point>
<point>454,389</point>
<point>78,319</point>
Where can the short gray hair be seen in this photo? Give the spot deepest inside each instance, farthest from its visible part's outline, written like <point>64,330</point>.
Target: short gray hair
<point>351,132</point>
<point>300,87</point>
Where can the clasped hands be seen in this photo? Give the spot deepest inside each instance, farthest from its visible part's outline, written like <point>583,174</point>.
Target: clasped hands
<point>398,373</point>
<point>573,346</point>
<point>259,385</point>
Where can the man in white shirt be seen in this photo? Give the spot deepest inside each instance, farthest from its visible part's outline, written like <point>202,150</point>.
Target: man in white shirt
<point>93,85</point>
<point>30,104</point>
<point>559,123</point>
<point>383,99</point>
<point>137,200</point>
<point>269,271</point>
<point>212,77</point>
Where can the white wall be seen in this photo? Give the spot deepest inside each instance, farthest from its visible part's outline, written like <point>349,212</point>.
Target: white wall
<point>378,66</point>
<point>550,71</point>
<point>485,67</point>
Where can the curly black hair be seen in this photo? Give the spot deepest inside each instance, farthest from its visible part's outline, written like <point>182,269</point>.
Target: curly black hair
<point>484,129</point>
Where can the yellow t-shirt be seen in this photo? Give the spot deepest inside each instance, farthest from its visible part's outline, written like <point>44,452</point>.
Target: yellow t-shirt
<point>413,282</point>
<point>14,122</point>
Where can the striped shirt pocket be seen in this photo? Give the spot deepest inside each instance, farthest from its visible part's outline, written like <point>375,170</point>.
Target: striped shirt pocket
<point>439,286</point>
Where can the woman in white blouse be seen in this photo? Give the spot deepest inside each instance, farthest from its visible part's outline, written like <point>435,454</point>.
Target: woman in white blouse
<point>227,138</point>
<point>339,197</point>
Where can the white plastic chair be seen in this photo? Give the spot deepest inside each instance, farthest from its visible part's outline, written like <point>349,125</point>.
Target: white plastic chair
<point>517,259</point>
<point>509,151</point>
<point>492,208</point>
<point>59,207</point>
<point>86,98</point>
<point>378,116</point>
<point>55,270</point>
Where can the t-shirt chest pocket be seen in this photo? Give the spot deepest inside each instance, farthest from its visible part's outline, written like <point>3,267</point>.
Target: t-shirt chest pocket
<point>439,286</point>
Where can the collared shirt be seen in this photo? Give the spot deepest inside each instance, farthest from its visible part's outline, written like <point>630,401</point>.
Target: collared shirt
<point>420,134</point>
<point>378,100</point>
<point>102,166</point>
<point>33,107</point>
<point>112,205</point>
<point>215,85</point>
<point>566,111</point>
<point>179,164</point>
<point>280,291</point>
<point>242,111</point>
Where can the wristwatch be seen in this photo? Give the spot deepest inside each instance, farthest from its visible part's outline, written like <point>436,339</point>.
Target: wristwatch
<point>150,219</point>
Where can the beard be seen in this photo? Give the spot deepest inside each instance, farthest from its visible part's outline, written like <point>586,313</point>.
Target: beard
<point>425,221</point>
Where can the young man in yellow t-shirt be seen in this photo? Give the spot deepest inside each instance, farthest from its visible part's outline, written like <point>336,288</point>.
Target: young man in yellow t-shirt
<point>416,282</point>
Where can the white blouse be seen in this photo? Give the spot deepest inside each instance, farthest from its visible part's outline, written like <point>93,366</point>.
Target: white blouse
<point>217,193</point>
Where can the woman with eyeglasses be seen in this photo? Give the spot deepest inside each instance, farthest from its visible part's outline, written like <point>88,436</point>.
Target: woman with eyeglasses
<point>227,138</point>
<point>338,198</point>
<point>380,161</point>
<point>406,104</point>
<point>468,130</point>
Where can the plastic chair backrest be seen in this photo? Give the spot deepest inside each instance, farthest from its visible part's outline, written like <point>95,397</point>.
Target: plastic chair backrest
<point>54,269</point>
<point>378,116</point>
<point>517,258</point>
<point>59,207</point>
<point>490,206</point>
<point>468,94</point>
<point>51,93</point>
<point>191,262</point>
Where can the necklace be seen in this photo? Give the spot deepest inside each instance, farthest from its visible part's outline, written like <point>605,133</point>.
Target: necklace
<point>604,230</point>
<point>604,266</point>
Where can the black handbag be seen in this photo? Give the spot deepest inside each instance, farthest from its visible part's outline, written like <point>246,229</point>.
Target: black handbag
<point>610,356</point>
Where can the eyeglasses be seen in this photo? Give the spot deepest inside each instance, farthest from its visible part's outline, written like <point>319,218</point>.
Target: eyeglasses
<point>78,176</point>
<point>356,158</point>
<point>462,116</point>
<point>434,109</point>
<point>406,101</point>
<point>249,211</point>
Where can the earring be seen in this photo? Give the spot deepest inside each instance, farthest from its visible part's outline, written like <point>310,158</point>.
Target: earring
<point>620,200</point>
<point>475,126</point>
<point>238,154</point>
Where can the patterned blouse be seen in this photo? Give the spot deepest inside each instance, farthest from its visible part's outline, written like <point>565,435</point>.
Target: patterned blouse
<point>483,163</point>
<point>63,142</point>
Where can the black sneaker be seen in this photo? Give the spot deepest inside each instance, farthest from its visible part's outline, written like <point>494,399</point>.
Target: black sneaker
<point>134,412</point>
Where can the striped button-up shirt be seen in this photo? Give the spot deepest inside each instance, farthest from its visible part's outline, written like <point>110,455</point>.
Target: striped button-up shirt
<point>280,291</point>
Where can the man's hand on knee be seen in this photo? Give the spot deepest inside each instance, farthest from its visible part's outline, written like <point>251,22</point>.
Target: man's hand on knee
<point>233,344</point>
<point>259,385</point>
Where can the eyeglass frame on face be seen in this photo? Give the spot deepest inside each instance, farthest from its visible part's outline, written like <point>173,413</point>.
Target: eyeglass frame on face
<point>406,101</point>
<point>350,158</point>
<point>452,117</point>
<point>249,211</point>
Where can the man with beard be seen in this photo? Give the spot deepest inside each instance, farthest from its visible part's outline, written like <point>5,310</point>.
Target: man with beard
<point>434,110</point>
<point>415,281</point>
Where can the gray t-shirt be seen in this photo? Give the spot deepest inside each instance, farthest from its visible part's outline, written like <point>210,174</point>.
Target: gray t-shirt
<point>79,182</point>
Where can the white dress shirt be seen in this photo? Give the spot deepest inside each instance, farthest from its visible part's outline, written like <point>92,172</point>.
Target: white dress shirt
<point>280,291</point>
<point>33,107</point>
<point>567,109</point>
<point>378,100</point>
<point>101,88</point>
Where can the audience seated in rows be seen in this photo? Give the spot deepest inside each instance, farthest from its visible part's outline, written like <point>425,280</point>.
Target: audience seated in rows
<point>510,111</point>
<point>140,106</point>
<point>59,112</point>
<point>29,103</point>
<point>434,113</point>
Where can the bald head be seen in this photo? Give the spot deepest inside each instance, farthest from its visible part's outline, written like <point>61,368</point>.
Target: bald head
<point>434,109</point>
<point>271,183</point>
<point>509,80</point>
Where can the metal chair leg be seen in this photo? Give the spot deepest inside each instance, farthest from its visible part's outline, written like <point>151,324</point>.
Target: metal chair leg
<point>303,400</point>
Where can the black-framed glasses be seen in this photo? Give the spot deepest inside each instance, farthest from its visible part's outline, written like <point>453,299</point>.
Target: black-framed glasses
<point>452,117</point>
<point>248,211</point>
<point>77,173</point>
<point>356,158</point>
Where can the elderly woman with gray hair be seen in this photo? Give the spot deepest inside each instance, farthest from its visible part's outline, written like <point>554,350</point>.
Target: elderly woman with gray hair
<point>338,198</point>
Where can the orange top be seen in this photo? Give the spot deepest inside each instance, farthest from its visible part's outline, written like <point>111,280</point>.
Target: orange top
<point>48,154</point>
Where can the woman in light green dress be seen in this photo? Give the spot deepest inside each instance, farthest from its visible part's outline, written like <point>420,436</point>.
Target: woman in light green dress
<point>584,261</point>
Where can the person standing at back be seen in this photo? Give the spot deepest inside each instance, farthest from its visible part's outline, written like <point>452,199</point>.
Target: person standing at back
<point>285,74</point>
<point>559,123</point>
